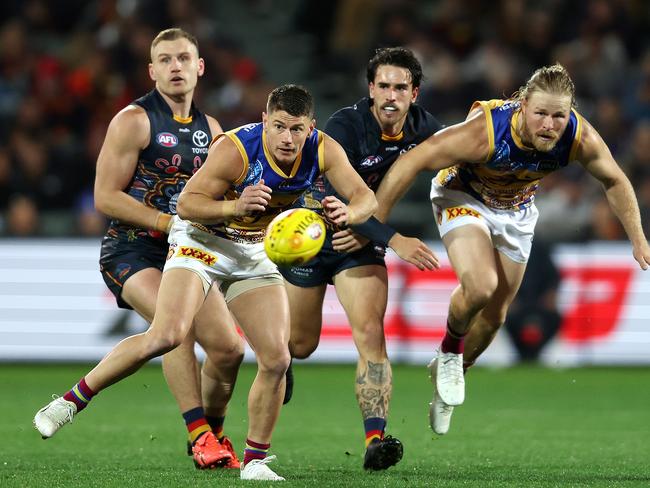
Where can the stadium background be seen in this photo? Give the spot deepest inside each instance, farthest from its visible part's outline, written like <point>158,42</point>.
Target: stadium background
<point>67,68</point>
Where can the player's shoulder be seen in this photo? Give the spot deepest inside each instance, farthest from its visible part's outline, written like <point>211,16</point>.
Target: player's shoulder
<point>131,119</point>
<point>351,114</point>
<point>424,123</point>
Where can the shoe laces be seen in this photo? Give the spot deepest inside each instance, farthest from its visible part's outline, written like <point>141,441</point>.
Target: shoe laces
<point>451,368</point>
<point>61,411</point>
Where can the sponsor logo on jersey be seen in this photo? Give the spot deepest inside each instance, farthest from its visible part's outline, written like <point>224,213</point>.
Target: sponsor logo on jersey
<point>166,139</point>
<point>200,138</point>
<point>391,148</point>
<point>183,129</point>
<point>407,148</point>
<point>194,253</point>
<point>370,161</point>
<point>454,212</point>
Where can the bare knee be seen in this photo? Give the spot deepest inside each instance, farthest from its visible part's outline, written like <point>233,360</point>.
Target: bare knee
<point>369,339</point>
<point>478,290</point>
<point>160,340</point>
<point>303,347</point>
<point>273,363</point>
<point>229,356</point>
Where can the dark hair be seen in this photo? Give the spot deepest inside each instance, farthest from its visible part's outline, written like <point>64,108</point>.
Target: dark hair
<point>173,34</point>
<point>293,99</point>
<point>395,56</point>
<point>553,79</point>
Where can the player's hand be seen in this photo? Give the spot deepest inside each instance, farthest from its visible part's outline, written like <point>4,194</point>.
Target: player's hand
<point>253,199</point>
<point>642,255</point>
<point>335,211</point>
<point>348,241</point>
<point>414,251</point>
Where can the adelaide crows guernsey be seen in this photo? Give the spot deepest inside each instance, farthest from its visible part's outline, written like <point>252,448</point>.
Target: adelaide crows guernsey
<point>177,149</point>
<point>259,164</point>
<point>370,152</point>
<point>509,177</point>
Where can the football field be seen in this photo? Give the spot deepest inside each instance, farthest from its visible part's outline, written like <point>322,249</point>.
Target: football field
<point>523,426</point>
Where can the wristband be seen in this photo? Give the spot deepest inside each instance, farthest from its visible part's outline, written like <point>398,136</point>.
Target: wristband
<point>163,222</point>
<point>376,231</point>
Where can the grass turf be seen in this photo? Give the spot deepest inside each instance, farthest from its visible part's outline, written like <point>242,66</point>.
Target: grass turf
<point>523,426</point>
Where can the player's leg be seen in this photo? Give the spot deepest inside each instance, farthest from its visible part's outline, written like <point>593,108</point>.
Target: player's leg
<point>306,312</point>
<point>216,332</point>
<point>263,315</point>
<point>489,319</point>
<point>173,318</point>
<point>363,293</point>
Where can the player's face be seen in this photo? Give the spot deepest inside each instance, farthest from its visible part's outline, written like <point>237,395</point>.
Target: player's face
<point>544,119</point>
<point>392,93</point>
<point>286,134</point>
<point>175,67</point>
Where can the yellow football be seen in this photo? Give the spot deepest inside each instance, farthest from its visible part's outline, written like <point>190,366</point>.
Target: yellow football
<point>294,237</point>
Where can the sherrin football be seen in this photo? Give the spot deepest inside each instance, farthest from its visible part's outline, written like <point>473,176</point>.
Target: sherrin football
<point>294,237</point>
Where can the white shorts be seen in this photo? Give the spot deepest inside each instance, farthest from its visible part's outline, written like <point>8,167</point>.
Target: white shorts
<point>235,267</point>
<point>511,230</point>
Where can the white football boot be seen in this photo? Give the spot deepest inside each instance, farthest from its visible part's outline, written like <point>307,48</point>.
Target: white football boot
<point>49,419</point>
<point>257,469</point>
<point>450,380</point>
<point>439,411</point>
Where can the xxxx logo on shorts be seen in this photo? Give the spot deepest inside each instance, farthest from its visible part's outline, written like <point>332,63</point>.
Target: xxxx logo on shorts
<point>192,252</point>
<point>454,212</point>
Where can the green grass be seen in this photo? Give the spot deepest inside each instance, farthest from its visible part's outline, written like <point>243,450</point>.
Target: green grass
<point>519,427</point>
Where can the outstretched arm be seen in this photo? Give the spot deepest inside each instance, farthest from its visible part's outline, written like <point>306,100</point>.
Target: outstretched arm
<point>595,156</point>
<point>464,142</point>
<point>347,182</point>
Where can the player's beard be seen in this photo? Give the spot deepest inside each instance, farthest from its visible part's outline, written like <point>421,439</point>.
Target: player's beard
<point>538,143</point>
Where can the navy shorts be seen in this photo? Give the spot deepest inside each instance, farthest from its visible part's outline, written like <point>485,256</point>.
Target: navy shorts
<point>328,263</point>
<point>120,259</point>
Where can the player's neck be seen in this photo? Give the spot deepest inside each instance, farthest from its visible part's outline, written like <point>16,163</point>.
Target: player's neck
<point>180,105</point>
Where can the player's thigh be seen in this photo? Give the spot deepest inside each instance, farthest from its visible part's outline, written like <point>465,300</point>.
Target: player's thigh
<point>263,315</point>
<point>214,326</point>
<point>471,253</point>
<point>363,293</point>
<point>180,297</point>
<point>141,291</point>
<point>305,310</point>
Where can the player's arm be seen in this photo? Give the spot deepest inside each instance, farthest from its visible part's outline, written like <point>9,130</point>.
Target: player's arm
<point>595,156</point>
<point>464,142</point>
<point>202,198</point>
<point>347,183</point>
<point>127,135</point>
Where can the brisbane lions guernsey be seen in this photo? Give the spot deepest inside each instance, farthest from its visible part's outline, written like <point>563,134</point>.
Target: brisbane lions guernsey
<point>177,149</point>
<point>509,177</point>
<point>370,152</point>
<point>259,164</point>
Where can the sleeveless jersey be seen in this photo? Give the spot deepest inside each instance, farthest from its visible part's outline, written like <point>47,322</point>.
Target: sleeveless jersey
<point>509,177</point>
<point>370,152</point>
<point>259,164</point>
<point>177,149</point>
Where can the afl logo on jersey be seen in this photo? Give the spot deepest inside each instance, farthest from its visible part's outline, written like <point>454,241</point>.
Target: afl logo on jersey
<point>200,138</point>
<point>167,139</point>
<point>371,161</point>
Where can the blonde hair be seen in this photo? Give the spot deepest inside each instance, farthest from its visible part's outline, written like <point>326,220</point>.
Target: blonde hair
<point>553,79</point>
<point>171,35</point>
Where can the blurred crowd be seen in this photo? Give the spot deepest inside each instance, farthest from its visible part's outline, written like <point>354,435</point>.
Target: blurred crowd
<point>67,67</point>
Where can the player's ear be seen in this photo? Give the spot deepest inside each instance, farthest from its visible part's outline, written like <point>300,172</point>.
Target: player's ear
<point>152,74</point>
<point>265,119</point>
<point>312,125</point>
<point>371,90</point>
<point>416,92</point>
<point>201,66</point>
